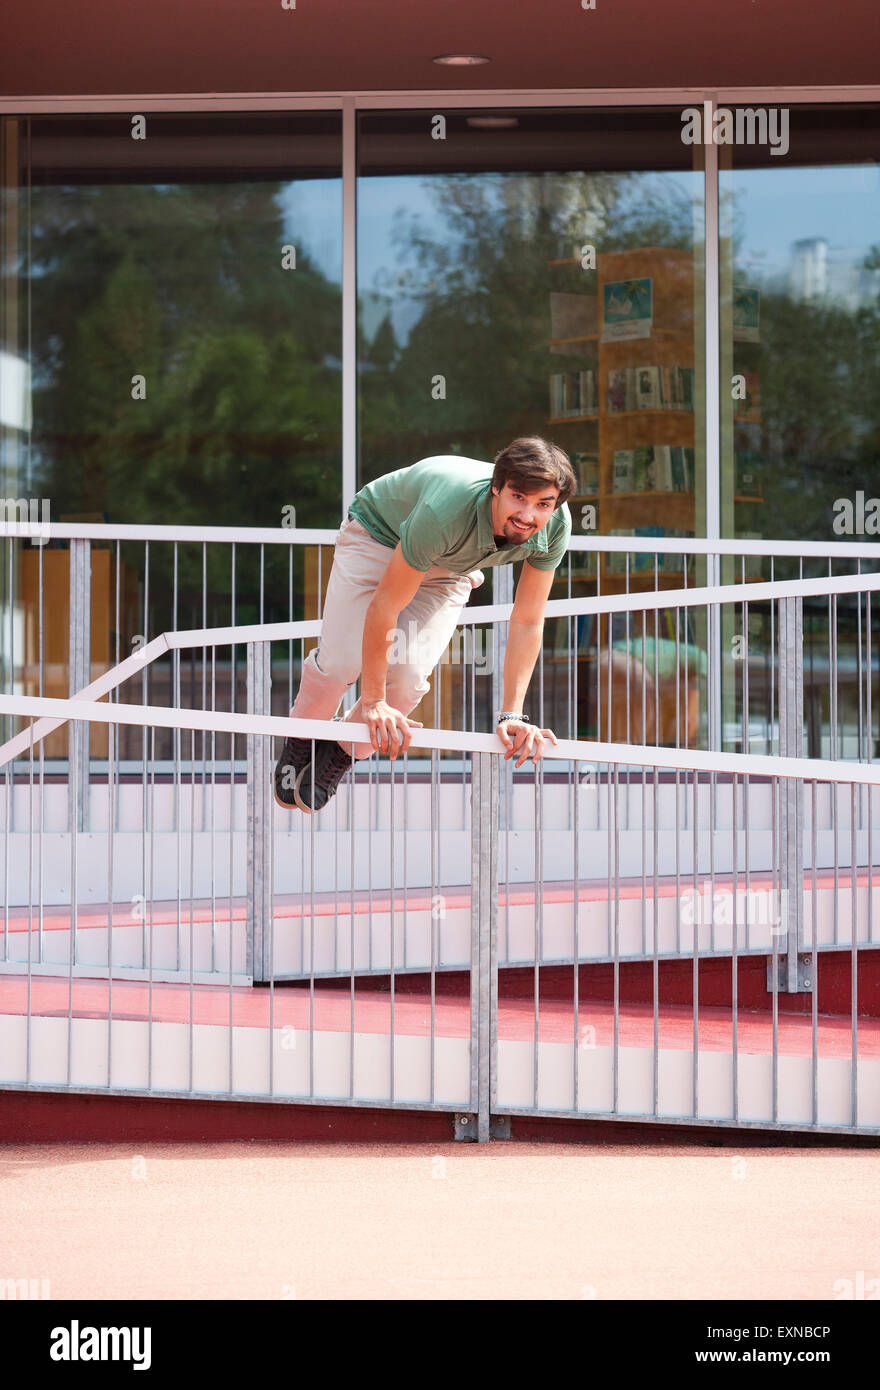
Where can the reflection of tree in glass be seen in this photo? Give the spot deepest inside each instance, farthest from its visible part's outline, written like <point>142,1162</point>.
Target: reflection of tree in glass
<point>183,285</point>
<point>819,364</point>
<point>483,286</point>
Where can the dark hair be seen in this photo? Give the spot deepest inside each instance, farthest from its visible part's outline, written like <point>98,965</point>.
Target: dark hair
<point>530,463</point>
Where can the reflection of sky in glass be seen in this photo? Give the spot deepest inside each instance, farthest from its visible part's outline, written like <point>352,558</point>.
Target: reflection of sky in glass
<point>777,207</point>
<point>400,200</point>
<point>312,211</point>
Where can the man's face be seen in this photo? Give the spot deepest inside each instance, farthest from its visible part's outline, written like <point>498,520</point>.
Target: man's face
<point>517,515</point>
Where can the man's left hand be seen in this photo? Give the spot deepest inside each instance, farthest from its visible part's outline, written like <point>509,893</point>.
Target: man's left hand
<point>527,740</point>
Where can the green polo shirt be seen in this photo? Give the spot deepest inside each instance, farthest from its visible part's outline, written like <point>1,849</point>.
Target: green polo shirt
<point>440,510</point>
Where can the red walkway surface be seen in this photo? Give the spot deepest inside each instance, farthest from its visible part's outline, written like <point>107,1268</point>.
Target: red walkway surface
<point>327,904</point>
<point>250,1008</point>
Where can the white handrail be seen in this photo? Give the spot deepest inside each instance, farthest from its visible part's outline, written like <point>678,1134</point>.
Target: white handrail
<point>488,613</point>
<point>281,535</point>
<point>100,531</point>
<point>451,740</point>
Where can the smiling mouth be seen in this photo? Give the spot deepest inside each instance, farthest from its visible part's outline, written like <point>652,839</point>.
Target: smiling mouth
<point>521,528</point>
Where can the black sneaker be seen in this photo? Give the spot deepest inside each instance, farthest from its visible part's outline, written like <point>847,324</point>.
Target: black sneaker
<point>331,764</point>
<point>295,755</point>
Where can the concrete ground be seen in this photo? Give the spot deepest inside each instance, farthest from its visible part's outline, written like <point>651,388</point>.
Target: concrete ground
<point>408,1221</point>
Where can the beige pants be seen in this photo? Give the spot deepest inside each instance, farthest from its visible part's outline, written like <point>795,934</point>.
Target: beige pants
<point>424,630</point>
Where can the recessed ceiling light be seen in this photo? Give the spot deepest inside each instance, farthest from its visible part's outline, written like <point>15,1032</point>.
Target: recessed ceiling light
<point>493,122</point>
<point>460,60</point>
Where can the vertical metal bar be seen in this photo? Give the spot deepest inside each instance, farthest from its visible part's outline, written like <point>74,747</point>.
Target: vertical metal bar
<point>249,954</point>
<point>205,685</point>
<point>213,818</point>
<point>112,731</point>
<point>436,899</point>
<point>734,954</point>
<point>73,779</point>
<point>771,739</point>
<point>117,625</point>
<point>539,926</point>
<point>146,808</point>
<point>259,813</point>
<point>854,968</point>
<point>814,963</point>
<point>774,959</point>
<point>859,753</point>
<point>192,903</point>
<point>835,709</point>
<point>405,865</point>
<point>42,655</point>
<point>391,981</point>
<point>695,976</point>
<point>312,861</point>
<point>79,673</point>
<point>616,1043</point>
<point>178,756</point>
<point>27,1064</point>
<point>791,732</point>
<point>655,965</point>
<point>351,937</point>
<point>484,925</point>
<point>249,944</point>
<point>576,893</point>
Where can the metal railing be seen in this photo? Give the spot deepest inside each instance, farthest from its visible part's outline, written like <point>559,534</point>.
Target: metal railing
<point>656,674</point>
<point>481,1054</point>
<point>689,835</point>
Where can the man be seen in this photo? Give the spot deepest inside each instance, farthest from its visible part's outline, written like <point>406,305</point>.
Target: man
<point>406,559</point>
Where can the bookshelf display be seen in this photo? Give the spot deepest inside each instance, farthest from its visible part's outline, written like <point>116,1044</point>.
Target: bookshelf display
<point>625,397</point>
<point>622,405</point>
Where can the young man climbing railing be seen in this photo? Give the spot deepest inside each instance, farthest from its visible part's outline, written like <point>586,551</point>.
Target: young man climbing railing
<point>406,559</point>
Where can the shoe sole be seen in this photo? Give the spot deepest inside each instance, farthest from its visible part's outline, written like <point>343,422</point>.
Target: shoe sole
<point>288,805</point>
<point>310,810</point>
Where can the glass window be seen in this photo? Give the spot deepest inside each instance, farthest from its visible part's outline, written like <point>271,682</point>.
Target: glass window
<point>800,395</point>
<point>541,272</point>
<point>171,354</point>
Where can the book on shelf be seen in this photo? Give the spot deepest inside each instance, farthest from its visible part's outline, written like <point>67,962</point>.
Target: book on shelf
<point>615,560</point>
<point>650,388</point>
<point>746,315</point>
<point>576,632</point>
<point>653,468</point>
<point>749,475</point>
<point>643,561</point>
<point>586,467</point>
<point>618,399</point>
<point>573,393</point>
<point>623,470</point>
<point>750,406</point>
<point>627,309</point>
<point>573,316</point>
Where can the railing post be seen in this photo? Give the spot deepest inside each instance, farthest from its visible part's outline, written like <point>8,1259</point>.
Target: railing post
<point>260,909</point>
<point>502,592</point>
<point>484,942</point>
<point>791,795</point>
<point>79,676</point>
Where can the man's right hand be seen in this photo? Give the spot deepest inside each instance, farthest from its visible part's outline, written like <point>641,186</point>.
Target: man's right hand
<point>389,728</point>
